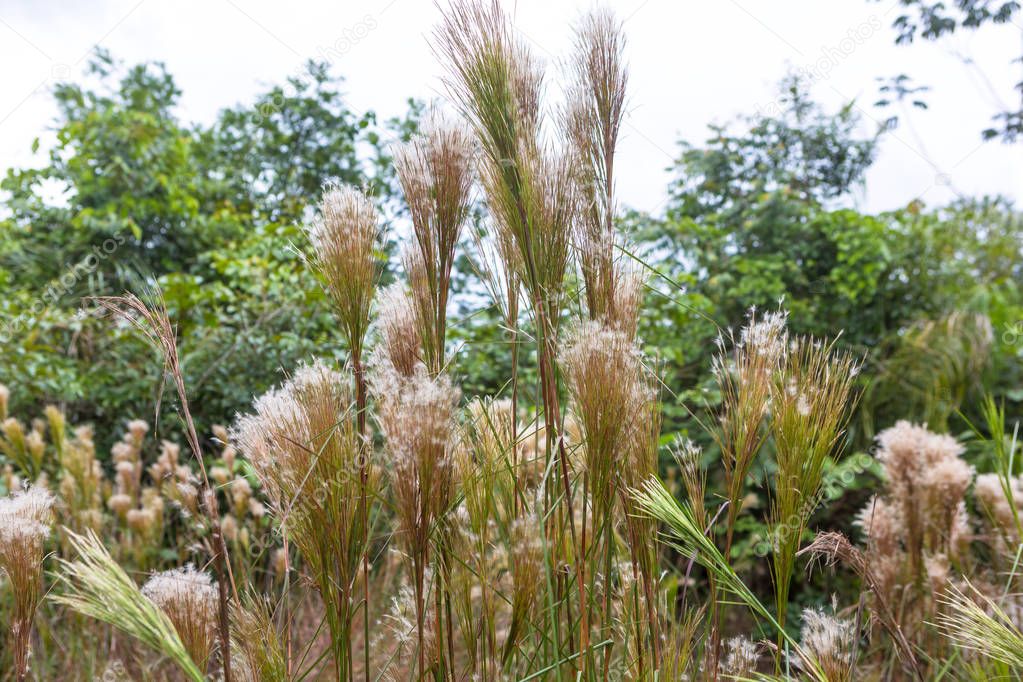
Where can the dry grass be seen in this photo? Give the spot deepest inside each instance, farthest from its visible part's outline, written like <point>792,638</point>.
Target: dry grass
<point>383,526</point>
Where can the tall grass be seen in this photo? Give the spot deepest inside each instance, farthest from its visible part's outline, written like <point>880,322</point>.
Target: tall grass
<point>25,520</point>
<point>384,526</point>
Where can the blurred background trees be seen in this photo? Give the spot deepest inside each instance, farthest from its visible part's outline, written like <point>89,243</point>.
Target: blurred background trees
<point>921,19</point>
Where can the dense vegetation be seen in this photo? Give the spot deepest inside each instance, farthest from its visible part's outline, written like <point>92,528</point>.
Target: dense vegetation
<point>546,437</point>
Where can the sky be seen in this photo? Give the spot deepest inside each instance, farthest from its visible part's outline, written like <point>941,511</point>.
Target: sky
<point>691,64</point>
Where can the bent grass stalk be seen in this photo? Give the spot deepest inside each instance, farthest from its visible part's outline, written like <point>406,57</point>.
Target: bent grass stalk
<point>155,325</point>
<point>96,586</point>
<point>691,540</point>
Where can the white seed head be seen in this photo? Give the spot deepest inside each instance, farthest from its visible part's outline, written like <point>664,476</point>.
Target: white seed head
<point>25,517</point>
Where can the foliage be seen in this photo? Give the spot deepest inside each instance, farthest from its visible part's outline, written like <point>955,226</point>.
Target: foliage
<point>934,20</point>
<point>126,173</point>
<point>211,215</point>
<point>754,224</point>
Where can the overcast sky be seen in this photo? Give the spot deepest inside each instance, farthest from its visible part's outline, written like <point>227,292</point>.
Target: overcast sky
<point>692,63</point>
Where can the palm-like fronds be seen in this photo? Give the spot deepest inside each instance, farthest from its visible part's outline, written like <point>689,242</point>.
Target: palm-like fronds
<point>927,370</point>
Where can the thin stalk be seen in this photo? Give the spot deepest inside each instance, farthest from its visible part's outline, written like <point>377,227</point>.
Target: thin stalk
<point>360,406</point>
<point>289,661</point>
<point>438,616</point>
<point>513,330</point>
<point>552,419</point>
<point>156,326</point>
<point>420,615</point>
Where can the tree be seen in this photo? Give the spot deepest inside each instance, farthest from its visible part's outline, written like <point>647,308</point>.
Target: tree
<point>795,148</point>
<point>747,216</point>
<point>130,192</point>
<point>934,20</point>
<point>756,221</point>
<point>210,215</point>
<point>270,158</point>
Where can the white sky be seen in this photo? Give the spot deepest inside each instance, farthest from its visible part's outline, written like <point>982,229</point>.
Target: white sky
<point>692,63</point>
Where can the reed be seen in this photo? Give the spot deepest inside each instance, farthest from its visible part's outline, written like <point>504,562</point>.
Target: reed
<point>367,506</point>
<point>25,520</point>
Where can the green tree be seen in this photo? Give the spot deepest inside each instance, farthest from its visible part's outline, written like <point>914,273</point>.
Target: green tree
<point>792,147</point>
<point>210,215</point>
<point>748,216</point>
<point>130,194</point>
<point>934,20</point>
<point>270,158</point>
<point>756,220</point>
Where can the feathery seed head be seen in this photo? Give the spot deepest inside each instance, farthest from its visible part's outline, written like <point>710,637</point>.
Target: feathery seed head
<point>948,480</point>
<point>291,425</point>
<point>14,431</point>
<point>831,641</point>
<point>138,429</point>
<point>229,527</point>
<point>256,508</point>
<point>881,523</point>
<point>906,450</point>
<point>120,503</point>
<point>938,568</point>
<point>399,333</point>
<point>344,238</point>
<point>142,521</point>
<point>25,517</point>
<point>220,433</point>
<point>766,336</point>
<point>187,495</point>
<point>435,171</point>
<point>241,489</point>
<point>603,369</point>
<point>591,121</point>
<point>741,661</point>
<point>417,418</point>
<point>220,475</point>
<point>189,599</point>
